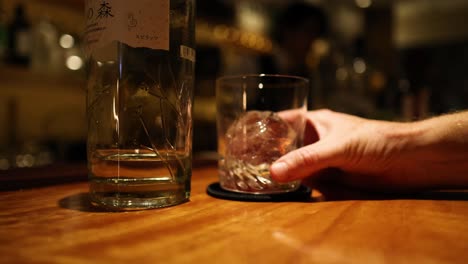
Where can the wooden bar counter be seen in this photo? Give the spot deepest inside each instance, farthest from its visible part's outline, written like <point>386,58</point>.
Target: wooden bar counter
<point>57,224</point>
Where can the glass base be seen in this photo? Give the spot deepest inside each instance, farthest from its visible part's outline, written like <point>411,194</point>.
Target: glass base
<point>124,196</point>
<point>254,184</point>
<point>124,202</point>
<point>279,188</point>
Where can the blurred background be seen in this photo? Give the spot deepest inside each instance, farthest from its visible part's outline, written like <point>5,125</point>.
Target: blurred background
<point>393,60</point>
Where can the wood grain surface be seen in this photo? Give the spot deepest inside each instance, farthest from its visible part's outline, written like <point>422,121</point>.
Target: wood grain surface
<point>57,224</point>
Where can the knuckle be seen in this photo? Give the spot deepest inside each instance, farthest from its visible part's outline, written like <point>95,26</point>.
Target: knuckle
<point>307,156</point>
<point>324,111</point>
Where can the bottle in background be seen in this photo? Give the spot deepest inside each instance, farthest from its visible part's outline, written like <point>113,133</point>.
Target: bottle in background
<point>19,38</point>
<point>3,34</point>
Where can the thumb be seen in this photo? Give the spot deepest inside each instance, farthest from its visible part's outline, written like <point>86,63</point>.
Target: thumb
<point>305,161</point>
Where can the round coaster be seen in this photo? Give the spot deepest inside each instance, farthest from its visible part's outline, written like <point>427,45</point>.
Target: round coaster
<point>301,194</point>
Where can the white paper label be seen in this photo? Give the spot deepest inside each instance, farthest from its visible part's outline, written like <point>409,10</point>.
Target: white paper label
<point>137,23</point>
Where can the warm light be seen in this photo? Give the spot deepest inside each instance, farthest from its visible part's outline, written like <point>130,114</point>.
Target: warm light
<point>252,40</point>
<point>244,39</point>
<point>234,35</point>
<point>341,74</point>
<point>250,18</point>
<point>26,160</point>
<point>221,32</point>
<point>260,43</point>
<point>4,164</point>
<point>359,65</point>
<point>260,85</point>
<point>321,47</point>
<point>377,81</point>
<point>363,3</point>
<point>66,41</point>
<point>74,63</point>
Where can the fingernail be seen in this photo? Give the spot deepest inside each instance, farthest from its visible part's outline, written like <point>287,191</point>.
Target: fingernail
<point>279,170</point>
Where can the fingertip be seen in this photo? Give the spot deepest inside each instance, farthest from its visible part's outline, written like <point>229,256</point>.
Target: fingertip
<point>303,162</point>
<point>279,171</point>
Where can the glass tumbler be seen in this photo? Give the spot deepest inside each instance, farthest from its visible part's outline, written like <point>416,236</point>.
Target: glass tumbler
<point>255,128</point>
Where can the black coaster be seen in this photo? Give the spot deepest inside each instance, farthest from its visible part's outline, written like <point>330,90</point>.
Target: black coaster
<point>301,194</point>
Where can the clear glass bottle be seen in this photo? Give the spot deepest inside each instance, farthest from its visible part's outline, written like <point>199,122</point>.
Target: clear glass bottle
<point>139,105</point>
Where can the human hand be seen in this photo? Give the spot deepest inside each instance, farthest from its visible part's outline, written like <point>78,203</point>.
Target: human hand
<point>368,153</point>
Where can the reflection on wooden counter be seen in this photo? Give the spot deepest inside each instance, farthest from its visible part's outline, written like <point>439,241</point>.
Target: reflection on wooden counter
<point>57,224</point>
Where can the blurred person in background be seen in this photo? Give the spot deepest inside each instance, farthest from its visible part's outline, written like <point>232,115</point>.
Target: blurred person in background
<point>294,31</point>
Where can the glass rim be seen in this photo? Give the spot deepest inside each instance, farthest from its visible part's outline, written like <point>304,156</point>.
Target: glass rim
<point>261,75</point>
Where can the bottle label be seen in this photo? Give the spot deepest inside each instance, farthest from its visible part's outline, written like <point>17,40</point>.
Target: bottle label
<point>138,23</point>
